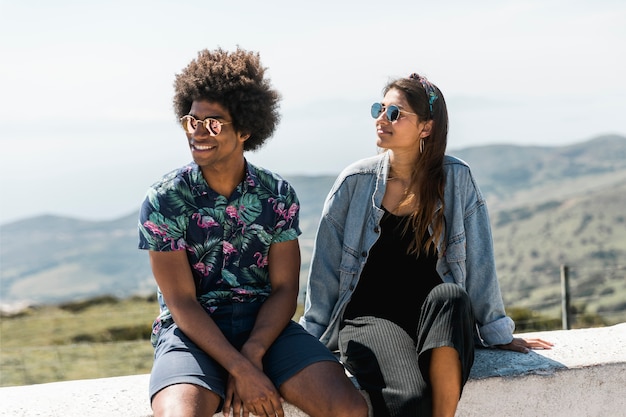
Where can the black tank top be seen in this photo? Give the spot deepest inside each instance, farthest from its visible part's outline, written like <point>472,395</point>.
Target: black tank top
<point>394,284</point>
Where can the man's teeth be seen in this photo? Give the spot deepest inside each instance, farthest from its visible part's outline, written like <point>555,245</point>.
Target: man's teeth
<point>203,147</point>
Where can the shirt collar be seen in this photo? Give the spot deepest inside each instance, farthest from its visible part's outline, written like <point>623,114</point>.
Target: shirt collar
<point>201,187</point>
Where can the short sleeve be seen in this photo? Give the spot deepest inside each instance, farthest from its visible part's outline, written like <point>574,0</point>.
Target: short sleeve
<point>161,228</point>
<point>288,214</point>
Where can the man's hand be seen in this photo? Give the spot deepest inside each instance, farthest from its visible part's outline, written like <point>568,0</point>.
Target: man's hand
<point>252,393</point>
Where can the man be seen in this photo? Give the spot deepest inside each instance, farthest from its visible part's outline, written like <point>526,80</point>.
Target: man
<point>222,236</point>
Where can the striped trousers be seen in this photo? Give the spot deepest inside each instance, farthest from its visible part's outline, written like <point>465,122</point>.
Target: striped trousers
<point>393,367</point>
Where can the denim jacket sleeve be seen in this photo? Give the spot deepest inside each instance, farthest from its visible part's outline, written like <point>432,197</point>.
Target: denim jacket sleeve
<point>324,285</point>
<point>469,256</point>
<point>347,230</point>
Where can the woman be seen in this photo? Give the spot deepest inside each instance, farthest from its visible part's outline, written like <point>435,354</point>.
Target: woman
<point>403,278</point>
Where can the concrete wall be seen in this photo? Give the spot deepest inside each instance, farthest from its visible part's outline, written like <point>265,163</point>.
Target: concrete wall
<point>583,375</point>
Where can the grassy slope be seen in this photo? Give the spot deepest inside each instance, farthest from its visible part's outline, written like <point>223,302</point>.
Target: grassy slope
<point>51,343</point>
<point>586,232</point>
<point>97,338</point>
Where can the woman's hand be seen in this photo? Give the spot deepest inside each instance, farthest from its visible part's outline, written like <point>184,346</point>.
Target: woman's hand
<point>526,345</point>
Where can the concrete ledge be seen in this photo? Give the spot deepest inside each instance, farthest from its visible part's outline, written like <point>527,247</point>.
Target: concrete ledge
<point>583,375</point>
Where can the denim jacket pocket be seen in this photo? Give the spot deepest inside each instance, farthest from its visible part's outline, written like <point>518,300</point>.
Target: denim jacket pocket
<point>348,270</point>
<point>456,254</point>
<point>347,280</point>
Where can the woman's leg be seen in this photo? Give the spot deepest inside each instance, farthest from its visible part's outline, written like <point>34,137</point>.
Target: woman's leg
<point>382,356</point>
<point>445,378</point>
<point>446,345</point>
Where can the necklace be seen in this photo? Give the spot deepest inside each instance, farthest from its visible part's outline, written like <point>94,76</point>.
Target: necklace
<point>404,182</point>
<point>393,176</point>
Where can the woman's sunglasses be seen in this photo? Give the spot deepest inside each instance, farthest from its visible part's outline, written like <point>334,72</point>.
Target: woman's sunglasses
<point>214,126</point>
<point>392,112</point>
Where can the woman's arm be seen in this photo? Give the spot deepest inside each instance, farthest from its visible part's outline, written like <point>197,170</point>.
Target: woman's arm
<point>495,327</point>
<point>322,291</point>
<point>482,285</point>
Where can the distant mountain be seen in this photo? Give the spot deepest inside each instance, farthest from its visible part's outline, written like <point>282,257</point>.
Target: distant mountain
<point>503,171</point>
<point>548,205</point>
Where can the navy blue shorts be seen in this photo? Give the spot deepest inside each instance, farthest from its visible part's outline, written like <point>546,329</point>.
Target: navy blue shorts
<point>177,360</point>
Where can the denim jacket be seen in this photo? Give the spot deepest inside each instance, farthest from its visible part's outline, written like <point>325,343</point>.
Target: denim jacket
<point>349,227</point>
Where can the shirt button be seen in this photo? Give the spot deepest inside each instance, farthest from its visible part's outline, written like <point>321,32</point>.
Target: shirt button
<point>364,254</point>
<point>376,230</point>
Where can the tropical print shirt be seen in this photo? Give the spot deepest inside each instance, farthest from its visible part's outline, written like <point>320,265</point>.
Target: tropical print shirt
<point>227,240</point>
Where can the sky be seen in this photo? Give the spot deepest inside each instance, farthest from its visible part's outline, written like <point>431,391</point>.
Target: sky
<point>86,119</point>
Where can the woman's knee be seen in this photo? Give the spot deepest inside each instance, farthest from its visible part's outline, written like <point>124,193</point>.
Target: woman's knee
<point>448,292</point>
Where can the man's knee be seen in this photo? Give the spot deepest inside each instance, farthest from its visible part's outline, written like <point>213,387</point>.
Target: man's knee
<point>355,406</point>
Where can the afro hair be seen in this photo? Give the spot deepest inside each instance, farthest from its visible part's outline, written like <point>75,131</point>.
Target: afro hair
<point>236,81</point>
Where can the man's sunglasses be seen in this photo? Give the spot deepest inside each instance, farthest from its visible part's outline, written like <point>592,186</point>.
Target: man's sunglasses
<point>214,126</point>
<point>392,112</point>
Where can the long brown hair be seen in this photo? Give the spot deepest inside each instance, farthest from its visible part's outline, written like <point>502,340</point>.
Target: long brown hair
<point>427,179</point>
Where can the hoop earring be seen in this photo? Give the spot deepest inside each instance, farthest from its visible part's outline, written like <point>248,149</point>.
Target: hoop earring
<point>421,145</point>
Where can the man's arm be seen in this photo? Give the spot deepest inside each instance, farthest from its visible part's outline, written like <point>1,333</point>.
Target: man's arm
<point>274,314</point>
<point>280,306</point>
<point>174,278</point>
